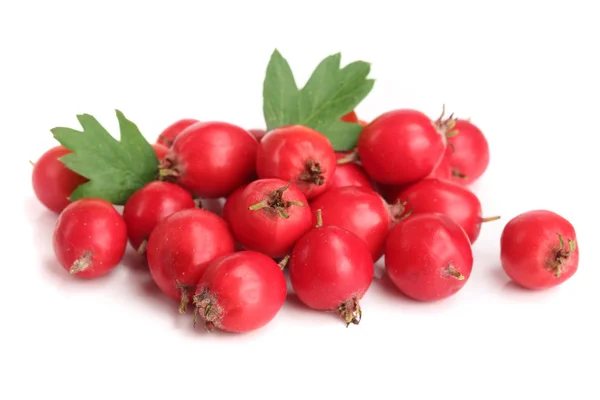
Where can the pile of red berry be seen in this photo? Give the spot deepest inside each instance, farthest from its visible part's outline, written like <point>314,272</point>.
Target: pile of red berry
<point>319,193</point>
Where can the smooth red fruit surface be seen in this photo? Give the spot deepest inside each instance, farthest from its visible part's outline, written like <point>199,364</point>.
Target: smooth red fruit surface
<point>448,198</point>
<point>401,146</point>
<point>53,183</point>
<point>428,257</point>
<point>240,292</point>
<point>539,249</point>
<point>148,206</point>
<point>349,174</point>
<point>297,154</point>
<point>331,269</point>
<point>471,153</point>
<point>160,150</point>
<point>258,133</point>
<point>211,159</point>
<point>167,136</point>
<point>89,238</point>
<point>350,117</point>
<point>358,210</point>
<point>268,215</point>
<point>181,246</point>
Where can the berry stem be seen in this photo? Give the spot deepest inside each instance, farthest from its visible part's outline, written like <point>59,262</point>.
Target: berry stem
<point>184,299</point>
<point>350,311</point>
<point>352,157</point>
<point>319,219</point>
<point>83,263</point>
<point>284,262</point>
<point>489,219</point>
<point>454,273</point>
<point>143,246</point>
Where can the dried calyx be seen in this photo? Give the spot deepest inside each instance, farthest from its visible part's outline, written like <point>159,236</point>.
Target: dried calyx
<point>312,173</point>
<point>81,264</point>
<point>167,171</point>
<point>560,255</point>
<point>453,272</point>
<point>350,311</point>
<point>206,304</point>
<point>276,202</point>
<point>446,126</point>
<point>399,211</point>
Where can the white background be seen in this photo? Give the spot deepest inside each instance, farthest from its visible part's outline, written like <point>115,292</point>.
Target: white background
<point>526,72</point>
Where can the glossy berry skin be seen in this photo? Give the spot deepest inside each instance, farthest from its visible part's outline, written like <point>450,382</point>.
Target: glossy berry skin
<point>471,153</point>
<point>168,135</point>
<point>448,198</point>
<point>331,269</point>
<point>161,151</point>
<point>240,292</point>
<point>53,183</point>
<point>297,154</point>
<point>400,146</point>
<point>539,249</point>
<point>358,210</point>
<point>148,206</point>
<point>265,227</point>
<point>212,159</point>
<point>428,257</point>
<point>90,238</point>
<point>180,248</point>
<point>349,174</point>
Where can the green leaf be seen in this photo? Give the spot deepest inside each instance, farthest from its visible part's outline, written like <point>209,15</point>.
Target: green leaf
<point>115,169</point>
<point>330,93</point>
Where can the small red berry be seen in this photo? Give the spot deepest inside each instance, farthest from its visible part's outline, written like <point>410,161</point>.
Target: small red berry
<point>470,153</point>
<point>240,292</point>
<point>445,197</point>
<point>53,183</point>
<point>211,159</point>
<point>297,154</point>
<point>90,238</point>
<point>349,174</point>
<point>268,215</point>
<point>428,257</point>
<point>358,210</point>
<point>168,135</point>
<point>160,150</point>
<point>150,205</point>
<point>331,269</point>
<point>539,249</point>
<point>181,246</point>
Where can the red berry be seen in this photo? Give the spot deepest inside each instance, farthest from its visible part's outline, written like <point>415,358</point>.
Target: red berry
<point>350,117</point>
<point>167,137</point>
<point>298,154</point>
<point>211,159</point>
<point>268,215</point>
<point>148,206</point>
<point>240,292</point>
<point>181,246</point>
<point>362,122</point>
<point>160,150</point>
<point>258,133</point>
<point>428,257</point>
<point>90,238</point>
<point>402,146</point>
<point>349,174</point>
<point>539,249</point>
<point>445,197</point>
<point>358,210</point>
<point>53,183</point>
<point>471,153</point>
<point>331,269</point>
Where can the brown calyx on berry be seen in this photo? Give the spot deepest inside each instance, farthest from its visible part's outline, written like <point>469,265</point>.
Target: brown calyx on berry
<point>457,174</point>
<point>560,254</point>
<point>276,203</point>
<point>350,311</point>
<point>167,170</point>
<point>82,263</point>
<point>207,307</point>
<point>399,211</point>
<point>446,126</point>
<point>312,173</point>
<point>454,273</point>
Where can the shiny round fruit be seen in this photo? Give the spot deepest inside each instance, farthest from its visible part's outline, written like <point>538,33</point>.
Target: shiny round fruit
<point>428,257</point>
<point>89,238</point>
<point>168,135</point>
<point>211,159</point>
<point>470,154</point>
<point>240,292</point>
<point>299,155</point>
<point>349,174</point>
<point>53,183</point>
<point>180,248</point>
<point>539,249</point>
